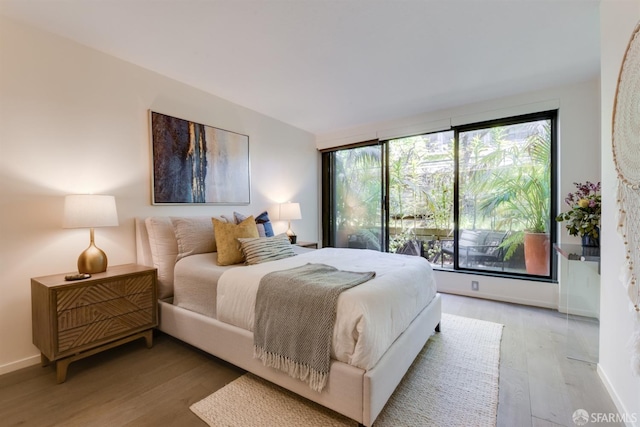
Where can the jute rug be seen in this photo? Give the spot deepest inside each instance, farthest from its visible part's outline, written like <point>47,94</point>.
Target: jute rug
<point>452,382</point>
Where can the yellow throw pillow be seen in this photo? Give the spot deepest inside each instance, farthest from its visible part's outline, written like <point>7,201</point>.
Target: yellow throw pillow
<point>227,235</point>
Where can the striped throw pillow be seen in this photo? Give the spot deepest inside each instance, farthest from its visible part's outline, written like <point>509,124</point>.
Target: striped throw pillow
<point>263,249</point>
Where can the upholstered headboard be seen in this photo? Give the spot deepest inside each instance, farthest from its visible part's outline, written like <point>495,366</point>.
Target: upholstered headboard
<point>156,246</point>
<point>161,241</point>
<point>143,250</point>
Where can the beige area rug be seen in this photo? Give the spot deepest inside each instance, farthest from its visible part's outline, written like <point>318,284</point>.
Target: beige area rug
<point>452,382</point>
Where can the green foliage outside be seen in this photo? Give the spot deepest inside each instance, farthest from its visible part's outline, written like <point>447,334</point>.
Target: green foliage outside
<point>504,184</point>
<point>357,185</point>
<point>511,183</point>
<point>420,186</point>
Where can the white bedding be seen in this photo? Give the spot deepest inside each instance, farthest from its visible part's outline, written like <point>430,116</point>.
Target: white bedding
<point>369,317</point>
<point>196,282</point>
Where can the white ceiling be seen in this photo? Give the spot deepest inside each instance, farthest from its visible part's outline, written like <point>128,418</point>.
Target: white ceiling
<point>325,65</point>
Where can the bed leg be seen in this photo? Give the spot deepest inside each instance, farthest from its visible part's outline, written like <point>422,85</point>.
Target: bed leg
<point>438,327</point>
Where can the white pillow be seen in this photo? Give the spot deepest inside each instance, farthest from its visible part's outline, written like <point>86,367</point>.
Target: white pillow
<point>194,235</point>
<point>264,249</point>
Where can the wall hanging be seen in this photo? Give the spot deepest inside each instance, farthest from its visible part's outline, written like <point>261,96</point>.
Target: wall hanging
<point>626,146</point>
<point>198,164</point>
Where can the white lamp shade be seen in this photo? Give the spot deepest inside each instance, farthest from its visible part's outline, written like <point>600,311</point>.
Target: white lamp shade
<point>289,211</point>
<point>89,211</point>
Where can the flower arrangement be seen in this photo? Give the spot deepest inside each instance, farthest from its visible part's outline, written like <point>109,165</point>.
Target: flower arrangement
<point>586,205</point>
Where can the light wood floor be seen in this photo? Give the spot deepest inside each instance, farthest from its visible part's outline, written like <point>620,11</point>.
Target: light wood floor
<point>135,386</point>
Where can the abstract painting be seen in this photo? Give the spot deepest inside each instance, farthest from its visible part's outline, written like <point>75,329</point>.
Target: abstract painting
<point>198,164</point>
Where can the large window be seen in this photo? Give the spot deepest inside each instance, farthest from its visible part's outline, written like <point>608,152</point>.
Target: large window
<point>504,196</point>
<point>478,197</point>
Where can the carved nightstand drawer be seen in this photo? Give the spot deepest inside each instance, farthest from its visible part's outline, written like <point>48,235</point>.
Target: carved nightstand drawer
<point>84,313</point>
<point>96,332</point>
<point>72,320</point>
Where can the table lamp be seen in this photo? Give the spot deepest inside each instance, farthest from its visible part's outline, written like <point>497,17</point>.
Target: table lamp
<point>289,211</point>
<point>90,211</point>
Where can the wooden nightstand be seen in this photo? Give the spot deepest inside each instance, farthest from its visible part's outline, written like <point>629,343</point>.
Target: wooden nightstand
<point>75,319</point>
<point>311,245</point>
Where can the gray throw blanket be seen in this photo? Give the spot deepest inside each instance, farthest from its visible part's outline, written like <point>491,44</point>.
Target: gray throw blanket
<point>295,316</point>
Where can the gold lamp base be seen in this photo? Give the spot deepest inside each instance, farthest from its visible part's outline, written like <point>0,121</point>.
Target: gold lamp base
<point>93,259</point>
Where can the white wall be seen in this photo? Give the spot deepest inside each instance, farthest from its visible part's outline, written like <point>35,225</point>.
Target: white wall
<point>617,320</point>
<point>579,157</point>
<point>74,120</point>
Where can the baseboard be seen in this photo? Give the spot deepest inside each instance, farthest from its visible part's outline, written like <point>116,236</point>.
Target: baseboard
<point>524,292</point>
<point>19,364</point>
<point>498,297</point>
<point>616,399</point>
<point>578,312</point>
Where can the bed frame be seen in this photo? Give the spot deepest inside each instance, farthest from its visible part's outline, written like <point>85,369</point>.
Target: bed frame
<point>351,391</point>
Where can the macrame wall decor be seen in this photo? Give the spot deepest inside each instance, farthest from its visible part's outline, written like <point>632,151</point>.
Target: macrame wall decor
<point>626,156</point>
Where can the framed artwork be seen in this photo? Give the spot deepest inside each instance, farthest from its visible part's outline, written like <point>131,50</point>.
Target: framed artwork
<point>198,164</point>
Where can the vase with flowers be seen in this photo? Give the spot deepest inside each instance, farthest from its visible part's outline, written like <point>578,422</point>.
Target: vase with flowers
<point>583,219</point>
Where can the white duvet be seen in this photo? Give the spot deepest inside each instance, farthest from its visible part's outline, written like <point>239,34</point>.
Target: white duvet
<point>370,316</point>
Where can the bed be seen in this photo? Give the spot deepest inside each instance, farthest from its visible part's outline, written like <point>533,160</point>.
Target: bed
<point>362,375</point>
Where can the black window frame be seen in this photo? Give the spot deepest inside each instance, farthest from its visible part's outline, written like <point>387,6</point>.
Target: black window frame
<point>551,115</point>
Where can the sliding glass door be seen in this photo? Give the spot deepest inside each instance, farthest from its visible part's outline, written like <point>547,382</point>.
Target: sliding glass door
<point>477,197</point>
<point>421,193</point>
<point>353,214</point>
